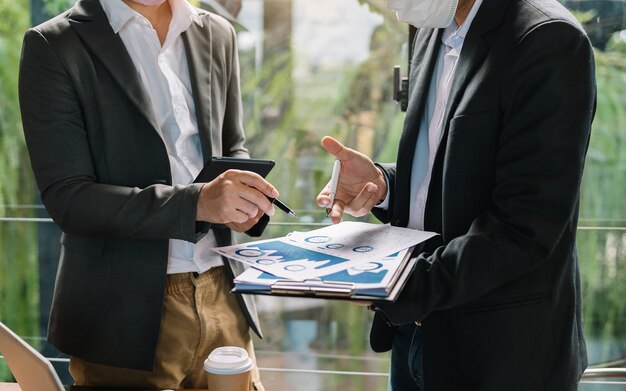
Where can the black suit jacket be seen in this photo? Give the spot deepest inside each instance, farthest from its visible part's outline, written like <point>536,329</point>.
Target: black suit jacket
<point>500,299</point>
<point>104,175</point>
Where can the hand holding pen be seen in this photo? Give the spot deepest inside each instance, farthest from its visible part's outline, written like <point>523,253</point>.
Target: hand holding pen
<point>238,199</point>
<point>356,184</point>
<point>334,180</point>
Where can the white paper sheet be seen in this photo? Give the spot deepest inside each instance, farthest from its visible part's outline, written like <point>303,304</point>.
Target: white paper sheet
<point>306,255</point>
<point>359,241</point>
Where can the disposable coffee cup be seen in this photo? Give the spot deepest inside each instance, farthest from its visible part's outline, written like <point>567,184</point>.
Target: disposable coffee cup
<point>228,369</point>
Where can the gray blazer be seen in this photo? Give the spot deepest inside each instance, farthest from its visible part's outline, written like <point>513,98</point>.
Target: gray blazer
<point>104,175</point>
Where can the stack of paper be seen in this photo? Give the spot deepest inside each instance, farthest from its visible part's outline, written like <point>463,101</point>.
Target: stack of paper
<point>347,260</point>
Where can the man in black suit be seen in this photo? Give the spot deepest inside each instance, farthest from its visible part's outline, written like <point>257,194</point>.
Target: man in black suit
<point>122,104</point>
<point>491,157</point>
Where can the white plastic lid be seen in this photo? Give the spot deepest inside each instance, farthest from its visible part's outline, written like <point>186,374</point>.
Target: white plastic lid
<point>228,360</point>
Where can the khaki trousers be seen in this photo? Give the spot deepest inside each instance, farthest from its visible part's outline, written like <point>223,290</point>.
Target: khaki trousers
<point>199,314</point>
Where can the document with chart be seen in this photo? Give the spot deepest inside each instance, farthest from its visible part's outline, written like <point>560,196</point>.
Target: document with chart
<point>346,260</point>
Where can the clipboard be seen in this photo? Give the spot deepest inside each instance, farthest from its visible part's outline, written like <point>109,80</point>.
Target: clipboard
<point>322,289</point>
<point>217,165</point>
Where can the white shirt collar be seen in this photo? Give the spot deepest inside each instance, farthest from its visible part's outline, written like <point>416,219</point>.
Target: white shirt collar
<point>183,14</point>
<point>119,13</point>
<point>454,35</point>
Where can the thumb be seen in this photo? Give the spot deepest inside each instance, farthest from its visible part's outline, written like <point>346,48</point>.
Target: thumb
<point>336,148</point>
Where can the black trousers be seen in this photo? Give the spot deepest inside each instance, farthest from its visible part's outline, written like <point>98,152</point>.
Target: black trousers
<point>406,360</point>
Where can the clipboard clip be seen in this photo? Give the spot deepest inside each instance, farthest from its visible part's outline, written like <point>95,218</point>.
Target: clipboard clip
<point>314,287</point>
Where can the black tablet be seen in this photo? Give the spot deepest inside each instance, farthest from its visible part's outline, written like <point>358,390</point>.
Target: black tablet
<point>218,165</point>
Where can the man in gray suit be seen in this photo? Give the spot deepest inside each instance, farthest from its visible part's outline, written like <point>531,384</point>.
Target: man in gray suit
<point>501,100</point>
<point>122,104</point>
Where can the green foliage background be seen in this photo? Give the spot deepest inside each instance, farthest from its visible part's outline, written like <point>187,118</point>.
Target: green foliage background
<point>602,247</point>
<point>19,294</point>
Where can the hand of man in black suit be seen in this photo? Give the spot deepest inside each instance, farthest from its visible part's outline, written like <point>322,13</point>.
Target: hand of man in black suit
<point>361,184</point>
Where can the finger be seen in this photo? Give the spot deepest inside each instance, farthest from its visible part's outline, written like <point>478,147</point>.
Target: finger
<point>254,189</point>
<point>255,180</point>
<point>243,227</point>
<point>336,212</point>
<point>336,148</point>
<point>240,199</point>
<point>322,198</point>
<point>258,200</point>
<point>255,219</point>
<point>237,216</point>
<point>253,202</point>
<point>363,203</point>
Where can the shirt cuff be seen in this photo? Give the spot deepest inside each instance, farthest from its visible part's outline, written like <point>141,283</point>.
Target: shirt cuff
<point>384,204</point>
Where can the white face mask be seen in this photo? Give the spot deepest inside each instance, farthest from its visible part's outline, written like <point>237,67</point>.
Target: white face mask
<point>424,13</point>
<point>148,2</point>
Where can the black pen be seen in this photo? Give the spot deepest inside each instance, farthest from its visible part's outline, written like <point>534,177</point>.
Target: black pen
<point>282,206</point>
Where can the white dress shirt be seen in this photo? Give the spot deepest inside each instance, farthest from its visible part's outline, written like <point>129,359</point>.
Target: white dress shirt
<point>164,73</point>
<point>431,125</point>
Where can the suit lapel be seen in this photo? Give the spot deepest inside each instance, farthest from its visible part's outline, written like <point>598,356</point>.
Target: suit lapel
<point>426,47</point>
<point>90,22</point>
<point>475,49</point>
<point>199,49</point>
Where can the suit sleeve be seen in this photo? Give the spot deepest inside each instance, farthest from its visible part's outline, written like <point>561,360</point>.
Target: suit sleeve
<point>233,133</point>
<point>547,105</point>
<point>389,170</point>
<point>61,158</point>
